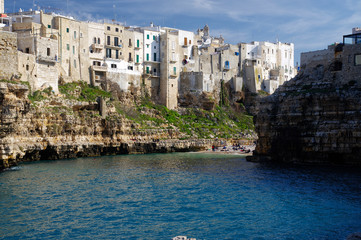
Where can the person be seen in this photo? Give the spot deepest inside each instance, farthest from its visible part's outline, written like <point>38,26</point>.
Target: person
<point>213,149</point>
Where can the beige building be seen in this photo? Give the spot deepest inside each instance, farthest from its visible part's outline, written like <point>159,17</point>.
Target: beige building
<point>8,55</point>
<point>96,41</point>
<point>2,8</point>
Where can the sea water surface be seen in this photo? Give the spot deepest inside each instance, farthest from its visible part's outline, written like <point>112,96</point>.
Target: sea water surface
<point>204,196</point>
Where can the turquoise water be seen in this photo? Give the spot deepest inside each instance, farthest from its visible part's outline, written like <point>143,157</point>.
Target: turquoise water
<point>203,196</point>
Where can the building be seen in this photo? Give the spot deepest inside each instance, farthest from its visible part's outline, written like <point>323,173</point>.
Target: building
<point>2,8</point>
<point>342,59</point>
<point>266,65</point>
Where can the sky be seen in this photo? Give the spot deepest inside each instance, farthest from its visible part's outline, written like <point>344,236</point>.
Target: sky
<point>309,24</point>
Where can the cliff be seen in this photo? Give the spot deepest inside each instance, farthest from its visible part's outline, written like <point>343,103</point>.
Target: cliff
<point>78,123</point>
<point>316,117</point>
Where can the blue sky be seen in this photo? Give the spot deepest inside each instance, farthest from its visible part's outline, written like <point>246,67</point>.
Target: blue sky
<point>309,24</point>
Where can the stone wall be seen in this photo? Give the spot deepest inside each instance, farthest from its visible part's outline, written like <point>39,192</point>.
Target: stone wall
<point>8,55</point>
<point>315,118</point>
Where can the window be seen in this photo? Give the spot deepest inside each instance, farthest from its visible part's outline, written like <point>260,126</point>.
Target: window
<point>130,68</point>
<point>68,47</point>
<point>73,49</point>
<point>130,57</point>
<point>155,70</point>
<point>74,63</point>
<point>49,26</point>
<point>48,51</point>
<point>108,53</point>
<point>113,65</point>
<point>147,69</point>
<point>117,54</point>
<point>155,47</point>
<point>147,56</point>
<point>130,42</point>
<point>95,40</point>
<point>185,41</point>
<point>116,41</point>
<point>153,37</point>
<point>27,67</point>
<point>155,57</point>
<point>173,45</point>
<point>137,43</point>
<point>190,42</point>
<point>108,28</point>
<point>137,58</point>
<point>27,50</point>
<point>117,29</point>
<point>74,34</point>
<point>67,30</point>
<point>98,40</point>
<point>226,65</point>
<point>108,40</point>
<point>175,71</point>
<point>147,36</point>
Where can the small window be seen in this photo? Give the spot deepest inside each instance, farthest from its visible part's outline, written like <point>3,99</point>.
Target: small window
<point>108,40</point>
<point>117,29</point>
<point>68,47</point>
<point>48,51</point>
<point>130,68</point>
<point>190,42</point>
<point>74,34</point>
<point>155,47</point>
<point>357,59</point>
<point>108,28</point>
<point>98,40</point>
<point>67,30</point>
<point>73,49</point>
<point>27,50</point>
<point>114,66</point>
<point>27,67</point>
<point>175,71</point>
<point>74,63</point>
<point>155,70</point>
<point>147,69</point>
<point>153,37</point>
<point>148,36</point>
<point>49,26</point>
<point>95,40</point>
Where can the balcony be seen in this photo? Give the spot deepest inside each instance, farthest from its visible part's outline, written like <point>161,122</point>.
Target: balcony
<point>99,68</point>
<point>114,46</point>
<point>173,75</point>
<point>173,61</point>
<point>136,48</point>
<point>130,60</point>
<point>95,46</point>
<point>155,75</point>
<point>47,59</point>
<point>154,62</point>
<point>137,63</point>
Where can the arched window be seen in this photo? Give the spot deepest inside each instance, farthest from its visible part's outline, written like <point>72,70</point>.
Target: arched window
<point>95,40</point>
<point>98,40</point>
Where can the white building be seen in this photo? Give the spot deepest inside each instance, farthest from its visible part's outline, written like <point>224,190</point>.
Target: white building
<point>267,65</point>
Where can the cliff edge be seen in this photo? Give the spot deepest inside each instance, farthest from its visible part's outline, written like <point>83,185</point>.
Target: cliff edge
<point>316,117</point>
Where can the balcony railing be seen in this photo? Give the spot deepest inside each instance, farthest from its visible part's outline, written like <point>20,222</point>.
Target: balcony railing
<point>47,59</point>
<point>95,46</point>
<point>99,68</point>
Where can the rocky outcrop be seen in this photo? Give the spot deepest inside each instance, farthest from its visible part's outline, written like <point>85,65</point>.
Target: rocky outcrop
<point>56,128</point>
<point>314,119</point>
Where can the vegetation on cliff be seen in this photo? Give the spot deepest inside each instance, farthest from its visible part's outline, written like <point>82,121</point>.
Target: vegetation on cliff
<point>143,114</point>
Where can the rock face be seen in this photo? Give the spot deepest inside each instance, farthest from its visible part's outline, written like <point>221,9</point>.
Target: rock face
<point>316,117</point>
<point>58,129</point>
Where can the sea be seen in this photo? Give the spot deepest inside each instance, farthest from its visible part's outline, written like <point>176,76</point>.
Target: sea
<point>161,196</point>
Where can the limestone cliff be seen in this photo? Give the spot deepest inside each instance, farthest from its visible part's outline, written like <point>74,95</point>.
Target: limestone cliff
<point>314,118</point>
<point>77,124</point>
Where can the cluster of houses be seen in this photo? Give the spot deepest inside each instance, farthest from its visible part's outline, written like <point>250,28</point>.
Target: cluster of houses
<point>168,63</point>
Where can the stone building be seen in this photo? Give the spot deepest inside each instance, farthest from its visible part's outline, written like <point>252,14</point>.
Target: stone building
<point>8,55</point>
<point>96,41</point>
<point>266,65</point>
<point>341,60</point>
<point>2,8</point>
